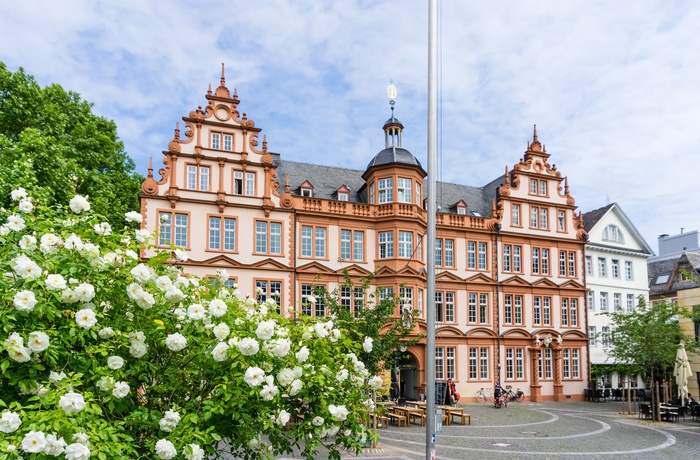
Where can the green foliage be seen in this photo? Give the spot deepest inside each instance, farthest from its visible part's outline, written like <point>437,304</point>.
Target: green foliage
<point>376,320</point>
<point>155,357</point>
<point>646,339</point>
<point>54,146</point>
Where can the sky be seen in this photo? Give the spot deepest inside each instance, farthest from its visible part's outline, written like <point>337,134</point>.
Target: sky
<point>613,87</point>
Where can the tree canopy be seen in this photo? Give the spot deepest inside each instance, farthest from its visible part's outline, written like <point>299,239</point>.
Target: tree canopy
<point>53,146</point>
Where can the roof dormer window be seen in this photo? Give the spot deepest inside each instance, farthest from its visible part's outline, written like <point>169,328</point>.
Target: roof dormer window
<point>306,189</point>
<point>307,192</point>
<point>343,193</point>
<point>461,207</point>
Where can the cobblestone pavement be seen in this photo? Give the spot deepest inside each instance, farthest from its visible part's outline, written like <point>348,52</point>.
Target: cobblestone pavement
<point>569,430</point>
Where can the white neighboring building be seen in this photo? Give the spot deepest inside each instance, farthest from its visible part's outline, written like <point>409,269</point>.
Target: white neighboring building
<point>616,274</point>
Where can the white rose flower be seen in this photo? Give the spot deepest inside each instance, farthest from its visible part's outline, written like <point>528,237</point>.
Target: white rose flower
<point>283,417</point>
<point>221,331</point>
<point>77,451</point>
<point>296,387</point>
<point>318,420</point>
<point>133,216</point>
<point>303,354</point>
<point>34,442</point>
<point>9,422</point>
<point>20,354</point>
<point>254,376</point>
<point>120,390</point>
<point>131,254</point>
<point>285,377</point>
<point>79,204</point>
<point>54,446</point>
<point>375,383</point>
<point>115,362</point>
<point>145,300</point>
<point>68,295</point>
<point>85,318</point>
<point>196,311</point>
<point>72,402</point>
<point>342,375</point>
<point>279,347</point>
<point>137,350</point>
<point>106,333</point>
<point>311,299</point>
<point>269,392</point>
<point>180,255</point>
<point>220,352</point>
<point>169,421</point>
<point>248,346</point>
<point>38,341</point>
<point>141,273</point>
<point>174,295</point>
<point>137,337</point>
<point>56,376</point>
<point>15,223</point>
<point>338,412</point>
<point>163,283</point>
<point>321,331</point>
<point>27,243</point>
<point>18,194</point>
<point>223,275</point>
<point>25,300</point>
<point>81,438</point>
<point>367,344</point>
<point>176,342</point>
<point>85,292</point>
<point>73,242</point>
<point>217,308</point>
<point>193,452</point>
<point>25,205</point>
<point>103,229</point>
<point>165,449</point>
<point>265,330</point>
<point>142,235</point>
<point>55,282</point>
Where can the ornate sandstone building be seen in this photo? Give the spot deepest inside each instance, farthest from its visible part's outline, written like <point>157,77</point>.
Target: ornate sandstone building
<point>510,300</point>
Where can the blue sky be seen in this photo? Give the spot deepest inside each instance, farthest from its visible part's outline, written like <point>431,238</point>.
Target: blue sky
<point>614,87</point>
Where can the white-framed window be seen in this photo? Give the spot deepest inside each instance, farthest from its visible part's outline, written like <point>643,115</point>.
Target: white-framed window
<point>439,363</point>
<point>518,309</point>
<point>269,289</point>
<point>404,190</point>
<point>484,363</point>
<point>471,254</point>
<point>564,312</point>
<point>216,141</point>
<point>386,245</point>
<point>515,215</point>
<point>573,305</point>
<point>228,142</point>
<point>516,259</point>
<point>250,184</point>
<point>589,266</point>
<point>478,363</point>
<point>605,335</point>
<point>483,308</point>
<point>535,260</point>
<point>617,301</point>
<point>507,254</point>
<point>173,228</point>
<point>371,193</point>
<point>629,275</point>
<point>630,303</point>
<point>268,237</point>
<point>472,307</point>
<point>602,267</point>
<point>419,197</point>
<point>405,244</point>
<point>313,241</point>
<point>222,233</point>
<point>343,196</point>
<point>482,256</point>
<point>603,301</point>
<point>444,252</point>
<point>591,300</point>
<point>198,177</point>
<point>561,220</point>
<point>307,192</point>
<point>244,183</point>
<point>545,363</point>
<point>386,190</point>
<point>615,268</point>
<point>317,308</point>
<point>592,336</point>
<point>539,217</point>
<point>352,245</point>
<point>570,363</point>
<point>537,310</point>
<point>445,360</point>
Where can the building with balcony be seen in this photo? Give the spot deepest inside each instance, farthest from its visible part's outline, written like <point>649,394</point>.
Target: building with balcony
<point>510,294</point>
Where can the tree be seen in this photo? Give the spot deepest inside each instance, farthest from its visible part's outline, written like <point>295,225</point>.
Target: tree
<point>646,339</point>
<point>104,356</point>
<point>374,320</point>
<point>53,146</point>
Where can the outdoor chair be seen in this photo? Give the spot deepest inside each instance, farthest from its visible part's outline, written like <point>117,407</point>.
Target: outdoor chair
<point>644,411</point>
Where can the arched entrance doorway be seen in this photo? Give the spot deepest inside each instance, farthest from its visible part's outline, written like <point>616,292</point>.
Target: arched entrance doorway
<point>404,378</point>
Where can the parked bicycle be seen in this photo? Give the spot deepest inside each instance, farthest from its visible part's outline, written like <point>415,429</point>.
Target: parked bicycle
<point>511,395</point>
<point>485,394</point>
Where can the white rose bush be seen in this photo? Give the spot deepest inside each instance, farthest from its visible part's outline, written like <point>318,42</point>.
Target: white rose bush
<point>105,355</point>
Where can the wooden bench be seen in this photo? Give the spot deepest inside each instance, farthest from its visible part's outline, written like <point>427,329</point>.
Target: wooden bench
<point>397,418</point>
<point>466,419</point>
<point>380,421</point>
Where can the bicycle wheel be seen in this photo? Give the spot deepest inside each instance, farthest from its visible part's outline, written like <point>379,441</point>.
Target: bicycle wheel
<point>519,397</point>
<point>480,396</point>
<point>491,397</point>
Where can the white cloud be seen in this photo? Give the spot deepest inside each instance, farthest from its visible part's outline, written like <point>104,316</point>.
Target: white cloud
<point>613,87</point>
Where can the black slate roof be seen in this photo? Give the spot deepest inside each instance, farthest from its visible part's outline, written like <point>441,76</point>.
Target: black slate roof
<point>326,180</point>
<point>394,155</point>
<point>672,268</point>
<point>592,217</point>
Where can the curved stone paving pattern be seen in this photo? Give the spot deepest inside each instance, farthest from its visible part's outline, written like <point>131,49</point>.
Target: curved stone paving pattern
<point>547,431</point>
